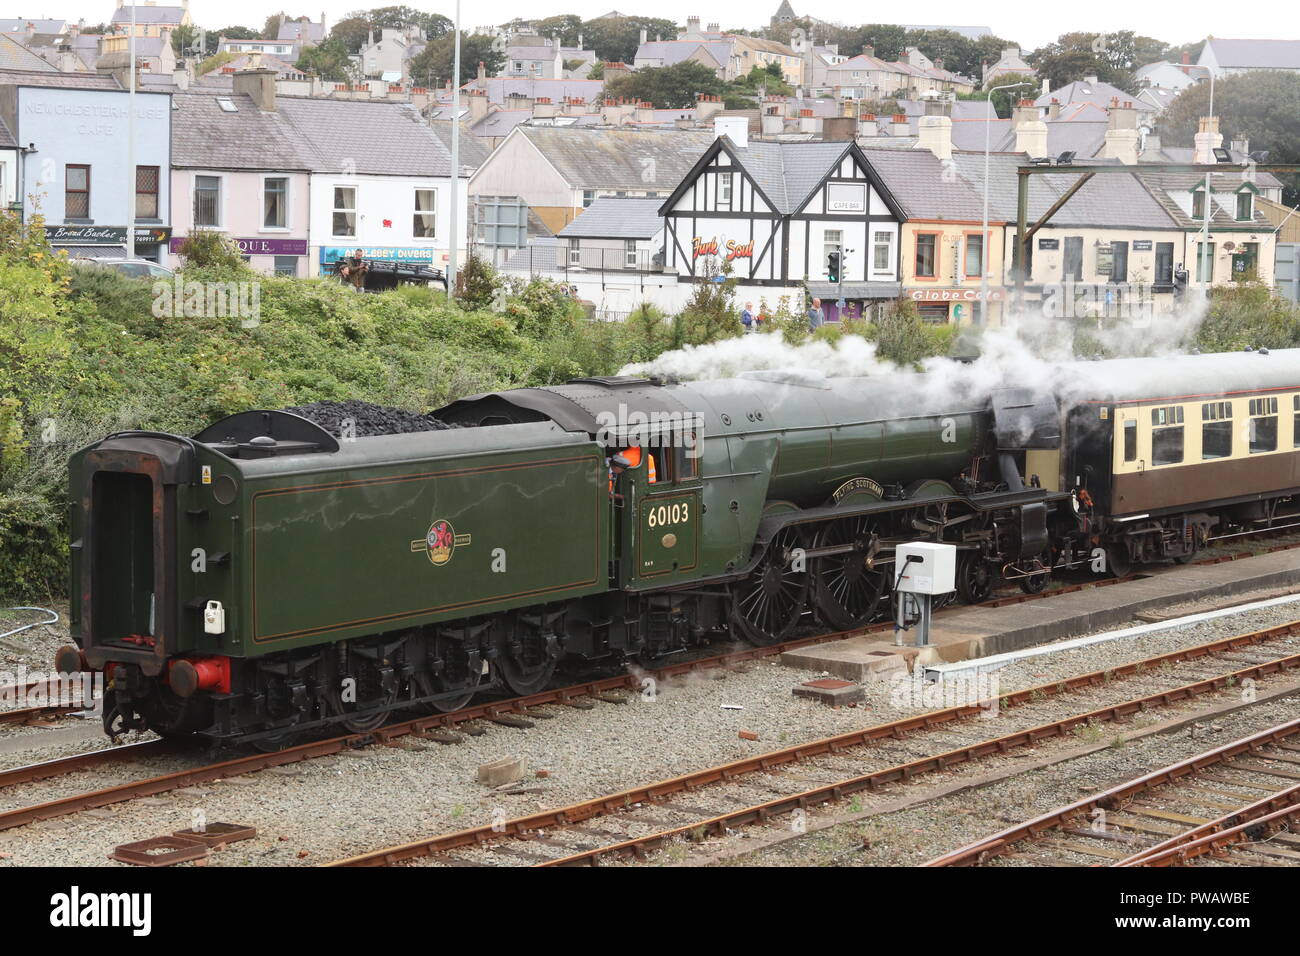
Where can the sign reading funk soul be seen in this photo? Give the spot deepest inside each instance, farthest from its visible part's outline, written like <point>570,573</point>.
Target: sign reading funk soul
<point>734,249</point>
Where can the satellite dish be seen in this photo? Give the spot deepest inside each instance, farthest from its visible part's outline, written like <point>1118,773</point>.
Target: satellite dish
<point>1229,246</point>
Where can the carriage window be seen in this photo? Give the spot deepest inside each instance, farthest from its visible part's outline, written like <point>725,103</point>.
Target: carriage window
<point>1130,440</point>
<point>1295,427</point>
<point>1263,425</point>
<point>1216,430</point>
<point>1167,435</point>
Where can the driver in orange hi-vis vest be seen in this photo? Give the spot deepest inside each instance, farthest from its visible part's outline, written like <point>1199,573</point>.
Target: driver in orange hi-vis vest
<point>629,457</point>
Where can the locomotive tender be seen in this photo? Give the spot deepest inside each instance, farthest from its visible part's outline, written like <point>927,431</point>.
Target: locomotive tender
<point>265,578</point>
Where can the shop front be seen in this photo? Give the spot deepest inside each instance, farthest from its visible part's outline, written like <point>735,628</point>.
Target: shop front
<point>414,255</point>
<point>955,305</point>
<point>107,242</point>
<point>277,256</point>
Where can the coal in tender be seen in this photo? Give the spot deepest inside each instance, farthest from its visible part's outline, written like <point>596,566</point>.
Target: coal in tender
<point>367,419</point>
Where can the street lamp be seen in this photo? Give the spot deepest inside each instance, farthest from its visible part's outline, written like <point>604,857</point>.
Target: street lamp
<point>984,240</point>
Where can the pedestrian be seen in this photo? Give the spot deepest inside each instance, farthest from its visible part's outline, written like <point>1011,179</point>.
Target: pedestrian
<point>815,315</point>
<point>354,270</point>
<point>747,317</point>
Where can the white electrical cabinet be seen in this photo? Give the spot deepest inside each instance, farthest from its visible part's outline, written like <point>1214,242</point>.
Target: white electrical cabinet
<point>924,567</point>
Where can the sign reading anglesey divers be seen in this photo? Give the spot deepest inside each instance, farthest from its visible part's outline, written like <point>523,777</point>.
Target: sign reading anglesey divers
<point>103,235</point>
<point>711,247</point>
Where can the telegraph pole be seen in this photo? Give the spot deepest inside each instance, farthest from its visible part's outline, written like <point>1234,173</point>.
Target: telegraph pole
<point>455,158</point>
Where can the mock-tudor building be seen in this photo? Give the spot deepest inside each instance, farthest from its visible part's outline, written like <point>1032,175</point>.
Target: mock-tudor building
<point>774,213</point>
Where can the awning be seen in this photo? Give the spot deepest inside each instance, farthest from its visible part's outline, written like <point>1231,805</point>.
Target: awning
<point>93,252</point>
<point>854,290</point>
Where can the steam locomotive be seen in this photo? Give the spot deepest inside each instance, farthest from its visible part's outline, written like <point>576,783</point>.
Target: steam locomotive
<point>266,577</point>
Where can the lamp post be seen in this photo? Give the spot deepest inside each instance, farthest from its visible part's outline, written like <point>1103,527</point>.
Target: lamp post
<point>455,158</point>
<point>984,234</point>
<point>132,185</point>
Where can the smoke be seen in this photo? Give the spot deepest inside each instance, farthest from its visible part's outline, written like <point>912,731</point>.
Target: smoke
<point>1034,347</point>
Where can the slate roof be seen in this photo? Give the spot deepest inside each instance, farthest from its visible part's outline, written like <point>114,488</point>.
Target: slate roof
<point>541,255</point>
<point>299,31</point>
<point>1223,211</point>
<point>19,25</point>
<point>472,152</point>
<point>369,138</point>
<point>53,78</point>
<point>7,140</point>
<point>1116,201</point>
<point>915,178</point>
<point>672,52</point>
<point>1256,54</point>
<point>1098,94</point>
<point>788,172</point>
<point>205,136</point>
<point>613,218</point>
<point>143,14</point>
<point>15,56</point>
<point>598,158</point>
<point>498,86</point>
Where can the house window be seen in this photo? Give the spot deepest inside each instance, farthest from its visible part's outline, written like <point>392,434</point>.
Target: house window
<point>629,253</point>
<point>588,197</point>
<point>1164,263</point>
<point>575,252</point>
<point>1167,435</point>
<point>1263,425</point>
<point>925,258</point>
<point>1216,430</point>
<point>1119,262</point>
<point>275,202</point>
<point>724,188</point>
<point>207,201</point>
<point>76,192</point>
<point>1245,206</point>
<point>974,255</point>
<point>1205,262</point>
<point>882,256</point>
<point>423,226</point>
<point>1198,206</point>
<point>345,211</point>
<point>146,192</point>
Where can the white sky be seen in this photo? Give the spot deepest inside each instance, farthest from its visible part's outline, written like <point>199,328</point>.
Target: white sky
<point>1030,24</point>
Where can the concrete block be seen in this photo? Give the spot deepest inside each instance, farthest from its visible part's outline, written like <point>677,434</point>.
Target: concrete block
<point>831,692</point>
<point>501,772</point>
<point>857,659</point>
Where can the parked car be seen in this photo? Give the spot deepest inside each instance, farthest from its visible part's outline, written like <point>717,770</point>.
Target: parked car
<point>134,268</point>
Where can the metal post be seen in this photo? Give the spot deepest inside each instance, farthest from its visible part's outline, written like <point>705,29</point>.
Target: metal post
<point>455,158</point>
<point>1022,215</point>
<point>984,249</point>
<point>1205,261</point>
<point>132,184</point>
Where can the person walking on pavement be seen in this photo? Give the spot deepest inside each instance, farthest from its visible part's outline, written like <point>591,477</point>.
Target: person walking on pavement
<point>747,317</point>
<point>815,315</point>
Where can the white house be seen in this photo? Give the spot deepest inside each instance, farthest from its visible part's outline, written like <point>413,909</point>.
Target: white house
<point>775,214</point>
<point>381,181</point>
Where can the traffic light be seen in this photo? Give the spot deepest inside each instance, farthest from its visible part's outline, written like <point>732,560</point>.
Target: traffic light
<point>833,267</point>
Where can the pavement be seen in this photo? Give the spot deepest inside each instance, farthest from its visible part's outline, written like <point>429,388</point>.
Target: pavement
<point>964,633</point>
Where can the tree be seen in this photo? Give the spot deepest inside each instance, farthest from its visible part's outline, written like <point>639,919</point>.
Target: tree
<point>433,67</point>
<point>1262,106</point>
<point>212,39</point>
<point>667,87</point>
<point>566,27</point>
<point>615,39</point>
<point>1112,57</point>
<point>352,32</point>
<point>330,61</point>
<point>183,38</point>
<point>271,29</point>
<point>1003,100</point>
<point>769,78</point>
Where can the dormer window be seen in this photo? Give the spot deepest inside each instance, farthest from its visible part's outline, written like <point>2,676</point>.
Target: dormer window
<point>1198,204</point>
<point>1245,206</point>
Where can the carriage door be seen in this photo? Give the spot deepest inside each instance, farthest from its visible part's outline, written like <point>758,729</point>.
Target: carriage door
<point>666,515</point>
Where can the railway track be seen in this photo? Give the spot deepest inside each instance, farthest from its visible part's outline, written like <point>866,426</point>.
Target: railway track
<point>1238,803</point>
<point>649,817</point>
<point>513,711</point>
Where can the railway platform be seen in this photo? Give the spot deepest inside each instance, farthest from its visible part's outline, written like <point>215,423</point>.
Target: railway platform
<point>963,633</point>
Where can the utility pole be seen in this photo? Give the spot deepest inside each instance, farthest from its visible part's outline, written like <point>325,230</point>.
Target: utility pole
<point>984,236</point>
<point>455,159</point>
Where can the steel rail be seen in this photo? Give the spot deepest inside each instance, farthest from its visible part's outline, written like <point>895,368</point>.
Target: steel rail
<point>1001,842</point>
<point>1253,811</point>
<point>1224,839</point>
<point>578,812</point>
